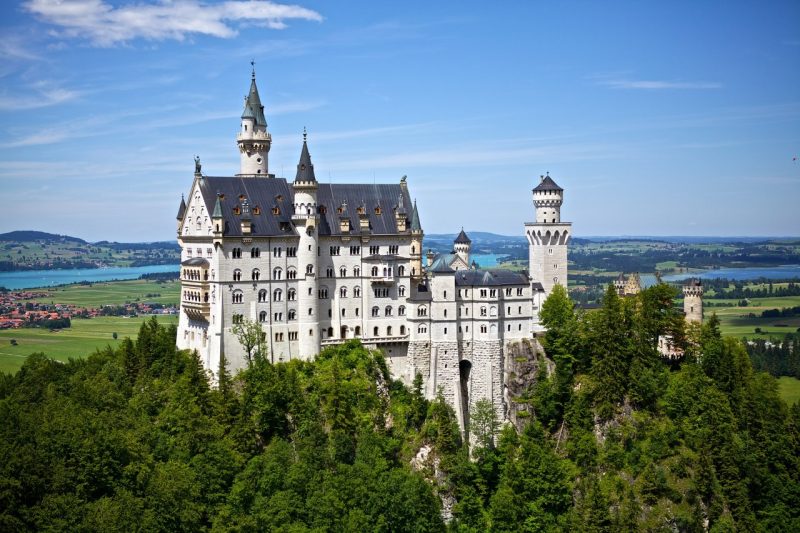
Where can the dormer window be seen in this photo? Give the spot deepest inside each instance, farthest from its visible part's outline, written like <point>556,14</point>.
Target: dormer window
<point>360,210</point>
<point>256,210</point>
<point>276,210</point>
<point>241,197</point>
<point>237,210</point>
<point>378,210</point>
<point>279,198</point>
<point>322,210</point>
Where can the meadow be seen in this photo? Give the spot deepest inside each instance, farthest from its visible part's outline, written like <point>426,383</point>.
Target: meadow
<point>83,338</point>
<point>113,293</point>
<point>789,389</point>
<point>734,321</point>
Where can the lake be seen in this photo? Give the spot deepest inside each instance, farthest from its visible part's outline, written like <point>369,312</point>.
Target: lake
<point>742,274</point>
<point>30,279</point>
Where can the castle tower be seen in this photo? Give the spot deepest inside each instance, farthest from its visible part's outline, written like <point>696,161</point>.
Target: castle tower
<point>253,139</point>
<point>693,300</point>
<point>548,237</point>
<point>306,221</point>
<point>462,246</point>
<point>416,243</point>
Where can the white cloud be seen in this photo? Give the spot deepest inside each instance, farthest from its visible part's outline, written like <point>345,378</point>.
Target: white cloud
<point>45,95</point>
<point>106,25</point>
<point>657,84</point>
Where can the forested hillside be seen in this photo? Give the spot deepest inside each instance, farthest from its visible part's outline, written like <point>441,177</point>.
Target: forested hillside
<point>135,439</point>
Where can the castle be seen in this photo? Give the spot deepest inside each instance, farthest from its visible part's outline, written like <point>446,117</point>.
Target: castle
<point>318,263</point>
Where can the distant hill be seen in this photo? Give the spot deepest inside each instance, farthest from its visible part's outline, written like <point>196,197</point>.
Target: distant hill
<point>33,236</point>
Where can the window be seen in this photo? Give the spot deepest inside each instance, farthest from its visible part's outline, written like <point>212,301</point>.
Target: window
<point>508,311</point>
<point>402,330</point>
<point>381,292</point>
<point>375,331</point>
<point>356,311</point>
<point>376,311</point>
<point>445,313</point>
<point>334,250</point>
<point>343,292</point>
<point>329,272</point>
<point>262,295</point>
<point>519,291</point>
<point>238,297</point>
<point>483,293</point>
<point>483,311</point>
<point>388,311</point>
<point>291,295</point>
<point>508,291</point>
<point>291,251</point>
<point>322,293</point>
<point>355,250</point>
<point>277,273</point>
<point>422,311</point>
<point>292,335</point>
<point>445,331</point>
<point>374,250</point>
<point>483,328</point>
<point>291,315</point>
<point>255,275</point>
<point>291,273</point>
<point>422,328</point>
<point>401,290</point>
<point>401,311</point>
<point>445,295</point>
<point>343,272</point>
<point>236,253</point>
<point>237,319</point>
<point>550,251</point>
<point>255,252</point>
<point>374,271</point>
<point>356,292</point>
<point>519,309</point>
<point>310,311</point>
<point>278,317</point>
<point>388,331</point>
<point>309,269</point>
<point>344,312</point>
<point>401,271</point>
<point>493,293</point>
<point>276,252</point>
<point>357,331</point>
<point>356,271</point>
<point>493,311</point>
<point>278,337</point>
<point>237,275</point>
<point>277,295</point>
<point>393,249</point>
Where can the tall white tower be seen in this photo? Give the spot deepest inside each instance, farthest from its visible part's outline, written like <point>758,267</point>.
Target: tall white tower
<point>693,300</point>
<point>253,139</point>
<point>462,246</point>
<point>307,223</point>
<point>548,237</point>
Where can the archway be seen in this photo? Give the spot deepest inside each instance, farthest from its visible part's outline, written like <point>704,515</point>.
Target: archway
<point>464,369</point>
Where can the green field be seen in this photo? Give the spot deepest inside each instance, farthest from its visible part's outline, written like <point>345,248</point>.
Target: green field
<point>735,322</point>
<point>789,388</point>
<point>82,339</point>
<point>114,293</point>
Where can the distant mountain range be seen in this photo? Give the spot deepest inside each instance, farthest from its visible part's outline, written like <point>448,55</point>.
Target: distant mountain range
<point>43,236</point>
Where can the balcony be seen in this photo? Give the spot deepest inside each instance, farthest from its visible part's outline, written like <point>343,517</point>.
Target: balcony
<point>197,310</point>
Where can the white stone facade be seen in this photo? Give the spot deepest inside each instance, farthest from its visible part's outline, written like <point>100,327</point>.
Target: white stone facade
<point>318,264</point>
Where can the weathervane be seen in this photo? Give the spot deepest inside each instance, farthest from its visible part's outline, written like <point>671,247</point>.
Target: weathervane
<point>253,65</point>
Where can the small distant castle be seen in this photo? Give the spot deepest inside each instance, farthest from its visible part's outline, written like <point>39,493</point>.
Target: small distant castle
<point>316,264</point>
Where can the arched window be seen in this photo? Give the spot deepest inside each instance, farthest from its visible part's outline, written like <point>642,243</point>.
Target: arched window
<point>329,272</point>
<point>343,272</point>
<point>401,271</point>
<point>356,292</point>
<point>357,331</point>
<point>402,330</point>
<point>493,311</point>
<point>277,273</point>
<point>483,311</point>
<point>262,295</point>
<point>422,311</point>
<point>277,295</point>
<point>388,331</point>
<point>401,311</point>
<point>291,273</point>
<point>357,271</point>
<point>374,271</point>
<point>262,316</point>
<point>238,297</point>
<point>309,269</point>
<point>330,332</point>
<point>376,311</point>
<point>292,314</point>
<point>256,274</point>
<point>237,275</point>
<point>255,252</point>
<point>401,290</point>
<point>291,295</point>
<point>375,331</point>
<point>388,310</point>
<point>422,328</point>
<point>343,292</point>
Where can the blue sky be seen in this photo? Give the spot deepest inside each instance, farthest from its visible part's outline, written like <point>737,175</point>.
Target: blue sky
<point>658,118</point>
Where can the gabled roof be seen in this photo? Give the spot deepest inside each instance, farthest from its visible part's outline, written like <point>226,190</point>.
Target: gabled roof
<point>491,277</point>
<point>547,184</point>
<point>462,238</point>
<point>181,209</point>
<point>305,169</point>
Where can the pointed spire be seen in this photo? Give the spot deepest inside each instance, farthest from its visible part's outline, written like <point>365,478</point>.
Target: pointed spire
<point>252,103</point>
<point>181,209</point>
<point>217,208</point>
<point>415,225</point>
<point>462,238</point>
<point>305,169</point>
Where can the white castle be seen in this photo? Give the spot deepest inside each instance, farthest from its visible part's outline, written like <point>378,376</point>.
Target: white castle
<point>316,264</point>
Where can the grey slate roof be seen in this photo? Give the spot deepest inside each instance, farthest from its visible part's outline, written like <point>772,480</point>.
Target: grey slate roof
<point>383,195</point>
<point>441,264</point>
<point>195,261</point>
<point>462,238</point>
<point>415,225</point>
<point>548,184</point>
<point>252,105</point>
<point>305,169</point>
<point>491,277</point>
<point>181,209</point>
<point>263,193</point>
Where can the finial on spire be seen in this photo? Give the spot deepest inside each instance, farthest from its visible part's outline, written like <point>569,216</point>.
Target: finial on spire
<point>305,134</point>
<point>253,66</point>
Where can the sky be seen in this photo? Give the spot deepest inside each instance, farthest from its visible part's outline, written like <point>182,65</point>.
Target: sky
<point>657,118</point>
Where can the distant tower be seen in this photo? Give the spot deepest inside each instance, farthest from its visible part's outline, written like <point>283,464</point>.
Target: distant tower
<point>693,300</point>
<point>462,246</point>
<point>416,243</point>
<point>306,221</point>
<point>548,237</point>
<point>254,141</point>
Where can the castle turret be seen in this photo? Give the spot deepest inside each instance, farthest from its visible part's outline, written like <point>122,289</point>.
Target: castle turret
<point>181,213</point>
<point>462,246</point>
<point>693,300</point>
<point>254,141</point>
<point>416,242</point>
<point>306,221</point>
<point>548,238</point>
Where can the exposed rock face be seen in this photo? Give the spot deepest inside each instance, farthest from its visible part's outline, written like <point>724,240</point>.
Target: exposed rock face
<point>524,362</point>
<point>427,462</point>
